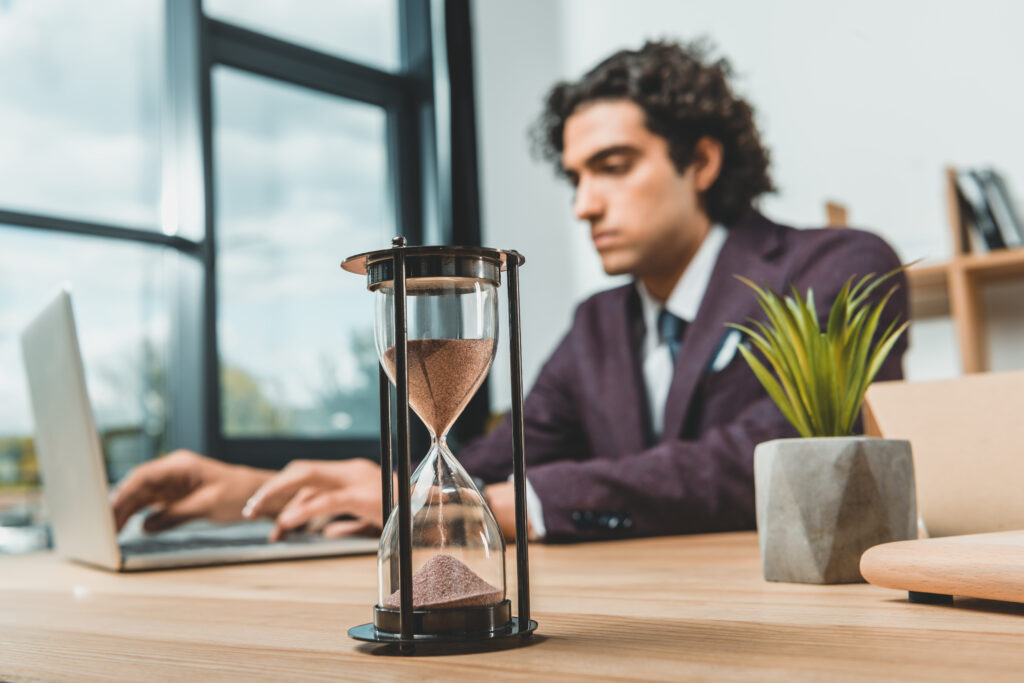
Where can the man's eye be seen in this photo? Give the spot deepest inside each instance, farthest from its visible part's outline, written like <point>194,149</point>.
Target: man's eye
<point>616,169</point>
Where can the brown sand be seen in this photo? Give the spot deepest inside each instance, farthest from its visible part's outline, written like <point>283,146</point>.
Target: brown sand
<point>443,375</point>
<point>445,581</point>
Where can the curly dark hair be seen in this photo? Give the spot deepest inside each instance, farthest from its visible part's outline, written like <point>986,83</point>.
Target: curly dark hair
<point>685,96</point>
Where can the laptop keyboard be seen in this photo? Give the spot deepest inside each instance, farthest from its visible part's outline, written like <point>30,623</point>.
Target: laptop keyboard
<point>146,546</point>
<point>208,537</point>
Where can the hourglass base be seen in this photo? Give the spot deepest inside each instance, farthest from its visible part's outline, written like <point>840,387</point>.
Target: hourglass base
<point>448,620</point>
<point>456,625</point>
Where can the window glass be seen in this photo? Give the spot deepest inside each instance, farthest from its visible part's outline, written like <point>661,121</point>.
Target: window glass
<point>360,30</point>
<point>119,293</point>
<point>79,109</point>
<point>302,183</point>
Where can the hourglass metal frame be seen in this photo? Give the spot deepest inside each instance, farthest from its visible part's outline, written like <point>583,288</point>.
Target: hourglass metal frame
<point>445,626</point>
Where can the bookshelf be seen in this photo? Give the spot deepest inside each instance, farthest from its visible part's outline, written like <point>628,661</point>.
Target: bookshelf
<point>956,286</point>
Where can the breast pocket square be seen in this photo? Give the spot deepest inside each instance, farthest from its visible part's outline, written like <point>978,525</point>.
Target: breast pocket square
<point>726,351</point>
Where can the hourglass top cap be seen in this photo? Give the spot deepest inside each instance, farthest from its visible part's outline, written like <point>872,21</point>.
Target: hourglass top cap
<point>433,262</point>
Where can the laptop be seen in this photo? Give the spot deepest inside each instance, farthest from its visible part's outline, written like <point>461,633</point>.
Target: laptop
<point>75,480</point>
<point>966,435</point>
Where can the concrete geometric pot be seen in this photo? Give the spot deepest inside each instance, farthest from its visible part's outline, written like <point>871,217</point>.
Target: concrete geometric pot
<point>822,502</point>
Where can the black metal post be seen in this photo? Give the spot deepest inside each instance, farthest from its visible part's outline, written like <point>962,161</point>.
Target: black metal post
<point>402,400</point>
<point>386,464</point>
<point>518,447</point>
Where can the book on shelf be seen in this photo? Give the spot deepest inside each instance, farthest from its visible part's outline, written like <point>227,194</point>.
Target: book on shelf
<point>974,208</point>
<point>1002,207</point>
<point>990,217</point>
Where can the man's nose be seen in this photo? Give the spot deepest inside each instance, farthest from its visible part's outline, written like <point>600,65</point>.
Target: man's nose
<point>587,205</point>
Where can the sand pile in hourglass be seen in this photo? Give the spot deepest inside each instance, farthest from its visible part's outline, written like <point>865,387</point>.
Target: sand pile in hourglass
<point>444,581</point>
<point>443,375</point>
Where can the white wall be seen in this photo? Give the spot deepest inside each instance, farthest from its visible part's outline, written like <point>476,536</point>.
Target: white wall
<point>864,103</point>
<point>517,55</point>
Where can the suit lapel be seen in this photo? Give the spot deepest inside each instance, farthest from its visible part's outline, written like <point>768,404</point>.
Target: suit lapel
<point>624,398</point>
<point>748,252</point>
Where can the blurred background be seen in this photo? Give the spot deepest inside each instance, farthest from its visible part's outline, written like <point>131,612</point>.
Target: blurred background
<point>196,171</point>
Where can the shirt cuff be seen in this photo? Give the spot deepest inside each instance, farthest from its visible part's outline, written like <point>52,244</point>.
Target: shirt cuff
<point>534,510</point>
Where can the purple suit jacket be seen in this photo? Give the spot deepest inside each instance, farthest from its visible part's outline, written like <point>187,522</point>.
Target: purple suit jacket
<point>590,454</point>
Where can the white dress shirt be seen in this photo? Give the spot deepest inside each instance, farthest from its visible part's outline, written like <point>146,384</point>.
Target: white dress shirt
<point>684,301</point>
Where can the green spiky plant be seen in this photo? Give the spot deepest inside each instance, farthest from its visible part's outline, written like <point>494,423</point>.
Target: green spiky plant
<point>820,377</point>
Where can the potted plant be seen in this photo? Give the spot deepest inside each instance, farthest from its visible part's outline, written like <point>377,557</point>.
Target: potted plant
<point>825,498</point>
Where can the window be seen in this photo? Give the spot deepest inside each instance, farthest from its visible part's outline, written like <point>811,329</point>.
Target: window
<point>79,109</point>
<point>302,183</point>
<point>80,152</point>
<point>197,171</point>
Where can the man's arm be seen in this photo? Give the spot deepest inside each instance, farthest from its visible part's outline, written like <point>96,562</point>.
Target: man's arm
<point>552,431</point>
<point>675,487</point>
<point>551,419</point>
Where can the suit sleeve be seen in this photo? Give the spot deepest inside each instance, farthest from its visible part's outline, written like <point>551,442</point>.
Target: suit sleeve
<point>707,484</point>
<point>551,420</point>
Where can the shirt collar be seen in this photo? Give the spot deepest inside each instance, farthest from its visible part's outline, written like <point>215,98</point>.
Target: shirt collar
<point>686,297</point>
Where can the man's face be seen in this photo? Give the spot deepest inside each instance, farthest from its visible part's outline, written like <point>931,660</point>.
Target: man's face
<point>644,215</point>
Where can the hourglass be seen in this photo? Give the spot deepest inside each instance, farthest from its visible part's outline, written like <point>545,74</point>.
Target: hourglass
<point>441,562</point>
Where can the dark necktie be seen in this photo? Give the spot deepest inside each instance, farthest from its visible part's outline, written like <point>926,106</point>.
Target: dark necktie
<point>672,328</point>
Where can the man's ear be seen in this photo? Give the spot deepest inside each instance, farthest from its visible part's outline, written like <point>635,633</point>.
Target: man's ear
<point>707,162</point>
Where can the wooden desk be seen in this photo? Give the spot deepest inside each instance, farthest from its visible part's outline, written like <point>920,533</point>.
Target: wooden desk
<point>669,608</point>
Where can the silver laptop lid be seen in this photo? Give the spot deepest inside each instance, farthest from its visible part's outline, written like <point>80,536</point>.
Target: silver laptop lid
<point>67,445</point>
<point>966,434</point>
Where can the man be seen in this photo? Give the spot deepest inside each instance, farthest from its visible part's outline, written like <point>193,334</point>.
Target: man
<point>644,420</point>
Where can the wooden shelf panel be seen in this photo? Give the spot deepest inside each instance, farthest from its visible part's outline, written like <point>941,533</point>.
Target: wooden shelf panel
<point>932,278</point>
<point>995,265</point>
<point>1004,264</point>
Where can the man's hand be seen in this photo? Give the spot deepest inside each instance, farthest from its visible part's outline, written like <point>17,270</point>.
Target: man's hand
<point>307,491</point>
<point>502,499</point>
<point>183,486</point>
